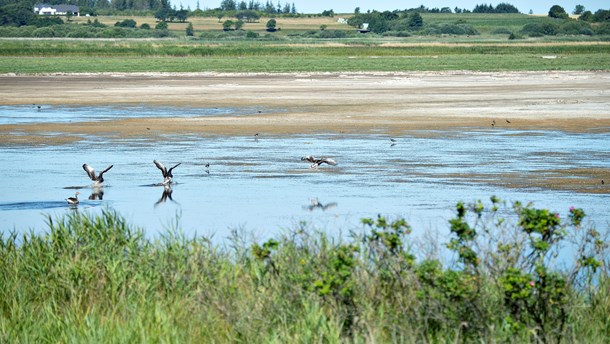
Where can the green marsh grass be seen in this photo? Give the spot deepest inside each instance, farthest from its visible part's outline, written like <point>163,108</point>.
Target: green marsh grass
<point>95,278</point>
<point>83,56</point>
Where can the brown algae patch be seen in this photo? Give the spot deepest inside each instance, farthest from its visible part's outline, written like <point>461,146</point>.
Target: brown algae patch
<point>576,180</point>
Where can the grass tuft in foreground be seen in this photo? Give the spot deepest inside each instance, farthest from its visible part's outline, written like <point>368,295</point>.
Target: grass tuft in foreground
<point>97,279</point>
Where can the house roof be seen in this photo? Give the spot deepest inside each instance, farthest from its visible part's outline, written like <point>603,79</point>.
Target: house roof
<point>59,8</point>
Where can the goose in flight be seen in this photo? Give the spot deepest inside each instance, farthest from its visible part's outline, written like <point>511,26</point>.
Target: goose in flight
<point>167,174</point>
<point>73,200</point>
<point>99,179</point>
<point>315,162</point>
<point>315,204</point>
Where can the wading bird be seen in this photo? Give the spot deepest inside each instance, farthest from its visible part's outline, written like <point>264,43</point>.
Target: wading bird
<point>315,162</point>
<point>73,200</point>
<point>99,179</point>
<point>167,174</point>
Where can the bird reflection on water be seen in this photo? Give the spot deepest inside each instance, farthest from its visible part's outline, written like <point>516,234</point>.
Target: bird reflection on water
<point>315,204</point>
<point>167,194</point>
<point>97,194</point>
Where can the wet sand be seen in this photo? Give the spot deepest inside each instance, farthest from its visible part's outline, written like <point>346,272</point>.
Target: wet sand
<point>353,103</point>
<point>342,103</point>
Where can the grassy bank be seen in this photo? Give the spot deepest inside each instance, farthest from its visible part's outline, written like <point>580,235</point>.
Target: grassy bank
<point>98,279</point>
<point>43,56</point>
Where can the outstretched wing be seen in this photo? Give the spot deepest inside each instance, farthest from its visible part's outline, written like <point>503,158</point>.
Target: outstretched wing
<point>328,161</point>
<point>90,171</point>
<point>161,167</point>
<point>169,173</point>
<point>104,171</point>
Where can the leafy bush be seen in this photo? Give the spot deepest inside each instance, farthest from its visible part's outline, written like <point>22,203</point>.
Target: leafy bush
<point>574,27</point>
<point>558,12</point>
<point>540,29</point>
<point>331,34</point>
<point>129,23</point>
<point>96,279</point>
<point>603,29</point>
<point>161,26</point>
<point>44,32</point>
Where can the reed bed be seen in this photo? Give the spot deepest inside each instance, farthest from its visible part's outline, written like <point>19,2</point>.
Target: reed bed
<point>95,278</point>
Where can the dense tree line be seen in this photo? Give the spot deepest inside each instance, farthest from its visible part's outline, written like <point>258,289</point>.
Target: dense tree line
<point>501,8</point>
<point>268,7</point>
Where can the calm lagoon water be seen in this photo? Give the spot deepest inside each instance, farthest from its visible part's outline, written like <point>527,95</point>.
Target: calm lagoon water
<point>261,186</point>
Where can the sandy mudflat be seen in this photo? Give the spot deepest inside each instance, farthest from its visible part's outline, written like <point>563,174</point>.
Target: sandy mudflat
<point>350,103</point>
<point>320,102</point>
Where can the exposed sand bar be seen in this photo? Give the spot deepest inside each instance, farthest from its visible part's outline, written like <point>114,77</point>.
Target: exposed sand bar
<point>350,103</point>
<point>319,102</point>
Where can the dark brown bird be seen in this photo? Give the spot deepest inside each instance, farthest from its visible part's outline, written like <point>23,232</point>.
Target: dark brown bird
<point>315,162</point>
<point>167,174</point>
<point>98,179</point>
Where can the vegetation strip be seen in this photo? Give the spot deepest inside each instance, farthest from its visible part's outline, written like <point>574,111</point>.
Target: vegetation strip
<point>95,278</point>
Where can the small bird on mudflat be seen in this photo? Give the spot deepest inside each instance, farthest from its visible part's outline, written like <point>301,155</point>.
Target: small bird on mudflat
<point>315,162</point>
<point>167,174</point>
<point>73,200</point>
<point>99,179</point>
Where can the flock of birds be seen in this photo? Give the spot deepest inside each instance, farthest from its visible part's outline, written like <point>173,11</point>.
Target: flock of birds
<point>98,179</point>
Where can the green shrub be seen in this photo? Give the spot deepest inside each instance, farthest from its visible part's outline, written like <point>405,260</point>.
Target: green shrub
<point>44,32</point>
<point>540,29</point>
<point>94,278</point>
<point>332,34</point>
<point>128,23</point>
<point>574,27</point>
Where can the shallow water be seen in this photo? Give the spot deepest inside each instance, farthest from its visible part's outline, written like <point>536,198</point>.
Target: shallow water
<point>261,185</point>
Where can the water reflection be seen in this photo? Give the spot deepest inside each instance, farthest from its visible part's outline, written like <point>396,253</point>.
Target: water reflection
<point>167,194</point>
<point>314,204</point>
<point>97,194</point>
<point>420,178</point>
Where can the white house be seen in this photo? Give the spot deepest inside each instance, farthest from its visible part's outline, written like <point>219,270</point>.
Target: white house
<point>56,10</point>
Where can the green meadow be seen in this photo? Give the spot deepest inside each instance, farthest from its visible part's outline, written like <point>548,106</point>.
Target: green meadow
<point>81,56</point>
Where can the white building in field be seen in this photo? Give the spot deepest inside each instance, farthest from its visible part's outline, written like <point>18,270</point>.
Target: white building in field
<point>56,10</point>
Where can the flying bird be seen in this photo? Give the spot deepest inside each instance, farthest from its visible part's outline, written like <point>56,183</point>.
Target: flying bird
<point>315,204</point>
<point>315,162</point>
<point>167,174</point>
<point>99,179</point>
<point>73,200</point>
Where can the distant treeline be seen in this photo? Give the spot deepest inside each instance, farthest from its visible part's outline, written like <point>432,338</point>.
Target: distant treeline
<point>484,8</point>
